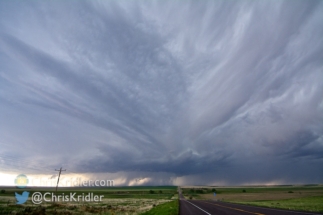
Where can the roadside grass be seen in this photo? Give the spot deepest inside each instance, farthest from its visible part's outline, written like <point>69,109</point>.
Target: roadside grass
<point>312,204</point>
<point>108,206</point>
<point>175,196</point>
<point>169,208</point>
<point>117,200</point>
<point>157,192</point>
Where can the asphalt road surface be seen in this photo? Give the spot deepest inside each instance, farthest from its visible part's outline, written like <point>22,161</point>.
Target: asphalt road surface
<point>209,207</point>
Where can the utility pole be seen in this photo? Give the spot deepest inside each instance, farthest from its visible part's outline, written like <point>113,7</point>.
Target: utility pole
<point>59,175</point>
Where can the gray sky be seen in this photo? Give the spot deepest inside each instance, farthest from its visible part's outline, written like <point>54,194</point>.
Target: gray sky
<point>181,92</point>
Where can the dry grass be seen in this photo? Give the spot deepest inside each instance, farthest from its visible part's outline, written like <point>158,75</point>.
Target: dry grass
<point>265,195</point>
<point>107,206</point>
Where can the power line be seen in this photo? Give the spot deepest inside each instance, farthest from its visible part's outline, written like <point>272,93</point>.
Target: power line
<point>59,175</point>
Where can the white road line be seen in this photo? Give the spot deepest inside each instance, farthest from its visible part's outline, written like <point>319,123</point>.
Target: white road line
<point>198,207</point>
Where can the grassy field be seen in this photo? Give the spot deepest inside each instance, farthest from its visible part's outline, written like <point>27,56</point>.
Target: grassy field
<point>117,200</point>
<point>312,204</point>
<point>302,198</point>
<point>164,199</point>
<point>168,208</point>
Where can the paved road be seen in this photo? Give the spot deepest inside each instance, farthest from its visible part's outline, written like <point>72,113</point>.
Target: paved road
<point>199,207</point>
<point>209,207</point>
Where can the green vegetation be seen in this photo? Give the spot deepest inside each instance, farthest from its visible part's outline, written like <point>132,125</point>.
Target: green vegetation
<point>117,200</point>
<point>313,204</point>
<point>252,189</point>
<point>169,208</point>
<point>160,192</point>
<point>290,190</point>
<point>197,190</point>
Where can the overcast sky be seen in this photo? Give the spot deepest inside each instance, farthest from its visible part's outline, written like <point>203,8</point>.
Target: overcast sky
<point>173,92</point>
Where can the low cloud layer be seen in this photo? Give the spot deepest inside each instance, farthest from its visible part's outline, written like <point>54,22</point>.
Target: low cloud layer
<point>211,92</point>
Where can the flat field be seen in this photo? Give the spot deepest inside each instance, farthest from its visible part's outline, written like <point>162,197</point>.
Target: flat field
<point>117,200</point>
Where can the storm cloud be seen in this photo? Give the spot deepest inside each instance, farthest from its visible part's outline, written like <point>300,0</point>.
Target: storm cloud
<point>184,92</point>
